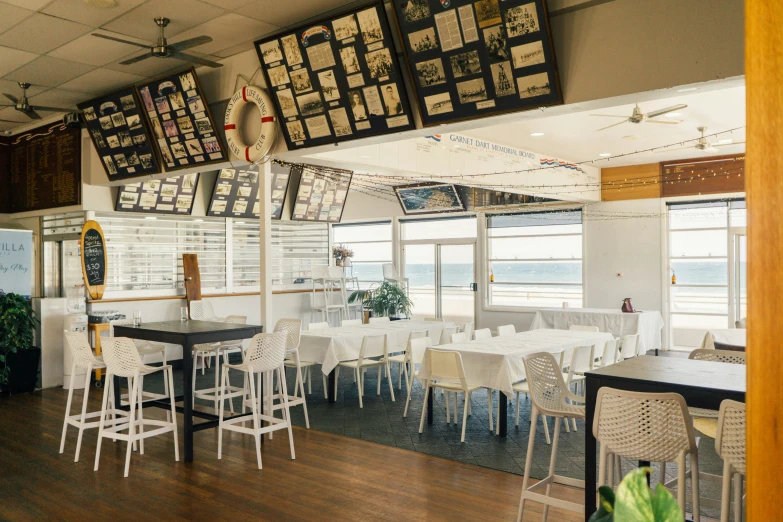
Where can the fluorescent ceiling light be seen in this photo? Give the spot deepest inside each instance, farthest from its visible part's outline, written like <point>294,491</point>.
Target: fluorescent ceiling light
<point>605,154</point>
<point>150,217</point>
<point>725,141</point>
<point>536,134</point>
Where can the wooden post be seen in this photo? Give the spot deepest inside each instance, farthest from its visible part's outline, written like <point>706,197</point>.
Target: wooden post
<point>764,185</point>
<point>192,278</point>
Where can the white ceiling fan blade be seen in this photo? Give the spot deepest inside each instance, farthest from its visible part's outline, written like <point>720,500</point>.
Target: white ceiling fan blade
<point>609,116</point>
<point>127,42</point>
<point>667,122</point>
<point>653,114</point>
<point>613,125</point>
<point>728,144</point>
<point>710,149</point>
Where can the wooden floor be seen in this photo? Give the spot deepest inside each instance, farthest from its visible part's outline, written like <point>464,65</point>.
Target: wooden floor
<point>332,478</point>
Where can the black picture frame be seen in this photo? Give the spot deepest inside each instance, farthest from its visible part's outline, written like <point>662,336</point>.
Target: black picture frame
<point>139,154</point>
<point>484,76</point>
<point>337,181</point>
<point>428,187</point>
<point>129,197</point>
<point>172,131</point>
<point>368,37</point>
<point>232,187</point>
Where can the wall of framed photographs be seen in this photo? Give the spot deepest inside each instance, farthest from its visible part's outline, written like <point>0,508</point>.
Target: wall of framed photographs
<point>120,134</point>
<point>236,193</point>
<point>336,79</point>
<point>321,195</point>
<point>181,121</point>
<point>478,58</point>
<point>160,196</point>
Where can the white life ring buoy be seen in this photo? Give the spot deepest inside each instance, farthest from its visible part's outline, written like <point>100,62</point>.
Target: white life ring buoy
<point>266,139</point>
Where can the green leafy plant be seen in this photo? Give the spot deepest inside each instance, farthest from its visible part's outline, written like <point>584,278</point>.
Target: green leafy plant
<point>634,501</point>
<point>387,300</point>
<point>17,325</point>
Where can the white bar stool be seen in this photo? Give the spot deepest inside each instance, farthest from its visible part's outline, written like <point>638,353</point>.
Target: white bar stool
<point>292,328</point>
<point>216,350</point>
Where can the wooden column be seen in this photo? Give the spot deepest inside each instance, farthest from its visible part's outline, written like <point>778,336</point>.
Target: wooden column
<point>764,185</point>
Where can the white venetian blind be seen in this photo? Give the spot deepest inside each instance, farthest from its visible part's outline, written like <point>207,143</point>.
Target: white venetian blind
<point>296,248</point>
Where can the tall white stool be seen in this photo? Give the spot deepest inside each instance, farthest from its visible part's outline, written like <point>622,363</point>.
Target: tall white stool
<point>265,355</point>
<point>145,349</point>
<point>83,358</point>
<point>730,445</point>
<point>216,350</point>
<point>123,360</point>
<point>293,329</point>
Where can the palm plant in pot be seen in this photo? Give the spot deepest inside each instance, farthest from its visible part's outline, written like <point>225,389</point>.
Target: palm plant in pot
<point>19,359</point>
<point>385,300</point>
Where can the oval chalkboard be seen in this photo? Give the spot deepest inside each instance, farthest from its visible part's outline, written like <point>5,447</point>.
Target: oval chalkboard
<point>93,259</point>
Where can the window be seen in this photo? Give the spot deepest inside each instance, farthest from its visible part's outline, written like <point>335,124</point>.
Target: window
<point>535,259</point>
<point>438,228</point>
<point>296,248</point>
<point>372,247</point>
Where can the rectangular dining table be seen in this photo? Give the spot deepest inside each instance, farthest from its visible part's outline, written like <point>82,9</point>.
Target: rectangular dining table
<point>186,334</point>
<point>497,363</point>
<point>703,384</point>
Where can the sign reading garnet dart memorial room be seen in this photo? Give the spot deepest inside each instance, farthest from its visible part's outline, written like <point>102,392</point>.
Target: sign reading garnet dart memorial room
<point>16,259</point>
<point>94,259</point>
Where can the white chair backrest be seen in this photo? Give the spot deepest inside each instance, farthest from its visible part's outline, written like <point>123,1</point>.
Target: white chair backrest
<point>643,426</point>
<point>548,389</point>
<point>374,320</point>
<point>730,440</point>
<point>416,349</point>
<point>335,272</point>
<point>80,349</point>
<point>319,272</point>
<point>724,356</point>
<point>445,365</point>
<point>121,356</point>
<point>446,333</point>
<point>581,361</point>
<point>351,322</point>
<point>741,323</point>
<point>611,352</point>
<point>265,352</point>
<point>484,333</point>
<point>630,346</point>
<point>583,328</point>
<point>293,329</point>
<point>389,272</point>
<point>313,327</point>
<point>434,319</point>
<point>468,329</point>
<point>506,330</point>
<point>202,311</point>
<point>373,346</point>
<point>460,338</point>
<point>419,334</point>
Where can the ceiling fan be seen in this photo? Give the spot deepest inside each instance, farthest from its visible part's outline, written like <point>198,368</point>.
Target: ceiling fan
<point>162,49</point>
<point>23,105</point>
<point>704,146</point>
<point>639,117</point>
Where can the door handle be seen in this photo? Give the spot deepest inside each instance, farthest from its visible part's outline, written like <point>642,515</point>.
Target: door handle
<point>474,287</point>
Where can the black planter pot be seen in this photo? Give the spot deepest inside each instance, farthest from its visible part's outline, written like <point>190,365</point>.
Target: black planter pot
<point>23,370</point>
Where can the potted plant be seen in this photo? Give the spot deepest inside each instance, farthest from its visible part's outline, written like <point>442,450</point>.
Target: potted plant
<point>386,300</point>
<point>635,501</point>
<point>19,359</point>
<point>342,255</point>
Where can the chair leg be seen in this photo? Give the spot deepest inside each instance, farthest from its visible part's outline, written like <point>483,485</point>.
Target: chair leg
<point>552,461</point>
<point>516,422</point>
<point>256,425</point>
<point>388,378</point>
<point>380,370</point>
<point>166,385</point>
<point>546,430</point>
<point>173,413</point>
<point>464,412</point>
<point>220,415</point>
<point>399,375</point>
<point>448,413</point>
<point>132,394</point>
<point>193,383</point>
<point>217,377</point>
<point>359,386</point>
<point>310,380</point>
<point>455,406</point>
<point>604,465</point>
<point>228,380</point>
<point>102,423</point>
<point>424,406</point>
<point>695,497</point>
<point>301,389</point>
<point>737,497</point>
<point>82,418</point>
<point>681,482</point>
<point>528,460</point>
<point>489,407</point>
<point>284,393</point>
<point>140,393</point>
<point>68,408</point>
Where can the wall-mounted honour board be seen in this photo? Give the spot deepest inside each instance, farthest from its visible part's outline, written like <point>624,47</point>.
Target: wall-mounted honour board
<point>473,59</point>
<point>336,79</point>
<point>181,121</point>
<point>120,134</point>
<point>159,196</point>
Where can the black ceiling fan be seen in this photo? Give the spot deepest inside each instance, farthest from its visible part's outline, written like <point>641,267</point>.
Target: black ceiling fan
<point>162,49</point>
<point>23,105</point>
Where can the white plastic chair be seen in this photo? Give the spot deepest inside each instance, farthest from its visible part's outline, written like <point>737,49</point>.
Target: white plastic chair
<point>630,347</point>
<point>314,327</point>
<point>655,427</point>
<point>468,329</point>
<point>265,355</point>
<point>402,358</point>
<point>415,354</point>
<point>447,373</point>
<point>216,350</point>
<point>506,330</point>
<point>724,356</point>
<point>611,353</point>
<point>482,334</point>
<point>375,343</point>
<point>351,322</point>
<point>293,329</point>
<point>83,358</point>
<point>730,446</point>
<point>550,397</point>
<point>583,328</point>
<point>460,338</point>
<point>446,333</point>
<point>374,320</point>
<point>123,360</point>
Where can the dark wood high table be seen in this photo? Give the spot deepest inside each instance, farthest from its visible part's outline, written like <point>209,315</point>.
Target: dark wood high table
<point>187,334</point>
<point>703,384</point>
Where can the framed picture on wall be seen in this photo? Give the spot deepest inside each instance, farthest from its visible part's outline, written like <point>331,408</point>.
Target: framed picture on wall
<point>322,194</point>
<point>430,198</point>
<point>173,195</point>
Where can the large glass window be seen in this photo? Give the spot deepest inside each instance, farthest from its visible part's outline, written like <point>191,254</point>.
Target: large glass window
<point>535,259</point>
<point>372,247</point>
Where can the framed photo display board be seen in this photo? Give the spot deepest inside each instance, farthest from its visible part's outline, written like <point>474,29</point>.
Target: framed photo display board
<point>336,79</point>
<point>159,196</point>
<point>321,195</point>
<point>236,193</point>
<point>432,198</point>
<point>477,58</point>
<point>181,122</point>
<point>120,134</point>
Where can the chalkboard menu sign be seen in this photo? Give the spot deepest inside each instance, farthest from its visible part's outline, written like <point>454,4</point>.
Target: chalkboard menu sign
<point>93,259</point>
<point>181,122</point>
<point>46,169</point>
<point>336,79</point>
<point>321,195</point>
<point>478,58</point>
<point>120,134</point>
<point>159,196</point>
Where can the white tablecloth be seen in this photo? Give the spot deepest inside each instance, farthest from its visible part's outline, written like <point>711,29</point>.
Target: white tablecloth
<point>497,362</point>
<point>647,324</point>
<point>733,336</point>
<point>330,346</point>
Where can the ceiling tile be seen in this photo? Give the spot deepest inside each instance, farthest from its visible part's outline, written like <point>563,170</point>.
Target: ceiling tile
<point>284,14</point>
<point>13,88</point>
<point>226,31</point>
<point>229,4</point>
<point>101,80</point>
<point>11,15</point>
<point>95,51</point>
<point>48,71</point>
<point>184,14</point>
<point>33,5</point>
<point>80,11</point>
<point>152,66</point>
<point>238,48</point>
<point>41,33</point>
<point>59,98</point>
<point>11,59</point>
<point>12,114</point>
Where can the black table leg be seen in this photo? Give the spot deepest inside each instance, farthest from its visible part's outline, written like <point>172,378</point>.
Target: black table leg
<point>117,394</point>
<point>330,387</point>
<point>645,464</point>
<point>502,413</point>
<point>430,403</point>
<point>591,394</point>
<point>187,378</point>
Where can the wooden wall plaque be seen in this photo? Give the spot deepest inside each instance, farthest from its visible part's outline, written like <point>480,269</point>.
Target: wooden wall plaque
<point>94,262</point>
<point>715,175</point>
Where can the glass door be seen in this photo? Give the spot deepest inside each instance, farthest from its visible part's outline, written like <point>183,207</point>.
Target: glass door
<point>420,272</point>
<point>739,297</point>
